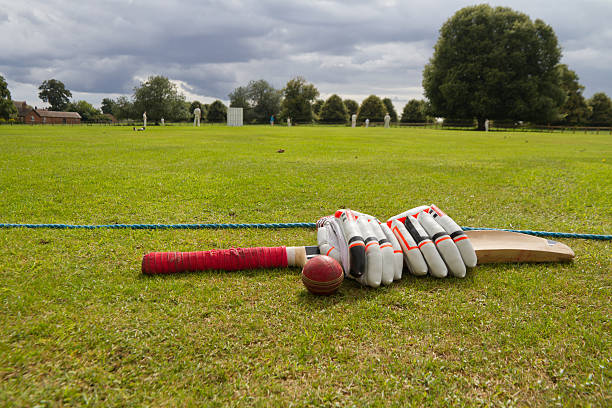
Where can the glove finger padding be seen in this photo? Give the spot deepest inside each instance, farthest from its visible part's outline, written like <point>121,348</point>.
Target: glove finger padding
<point>466,249</point>
<point>354,240</point>
<point>391,252</point>
<point>435,237</point>
<point>367,252</point>
<point>444,244</point>
<point>427,248</point>
<point>398,258</point>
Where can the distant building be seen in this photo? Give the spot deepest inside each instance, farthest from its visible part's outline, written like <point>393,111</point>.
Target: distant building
<point>22,109</point>
<point>47,117</point>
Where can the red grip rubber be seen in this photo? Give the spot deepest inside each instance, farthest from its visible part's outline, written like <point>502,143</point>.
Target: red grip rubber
<point>217,259</point>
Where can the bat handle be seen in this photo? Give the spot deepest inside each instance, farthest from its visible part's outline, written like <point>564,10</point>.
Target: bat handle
<point>223,259</point>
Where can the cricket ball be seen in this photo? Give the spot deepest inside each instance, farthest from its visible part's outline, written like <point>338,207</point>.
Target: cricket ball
<point>322,275</point>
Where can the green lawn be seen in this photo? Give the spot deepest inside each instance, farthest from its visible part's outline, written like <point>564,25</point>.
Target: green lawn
<point>80,325</point>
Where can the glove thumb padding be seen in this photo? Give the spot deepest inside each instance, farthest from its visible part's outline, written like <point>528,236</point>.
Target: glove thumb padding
<point>328,242</point>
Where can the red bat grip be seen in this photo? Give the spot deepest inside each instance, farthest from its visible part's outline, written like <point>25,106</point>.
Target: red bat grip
<point>219,259</point>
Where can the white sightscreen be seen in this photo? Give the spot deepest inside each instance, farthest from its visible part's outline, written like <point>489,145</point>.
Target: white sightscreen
<point>234,117</point>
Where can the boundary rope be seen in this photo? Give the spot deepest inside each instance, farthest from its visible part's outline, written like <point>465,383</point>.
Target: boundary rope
<point>600,237</point>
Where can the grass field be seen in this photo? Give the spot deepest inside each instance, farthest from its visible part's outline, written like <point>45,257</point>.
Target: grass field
<point>80,325</point>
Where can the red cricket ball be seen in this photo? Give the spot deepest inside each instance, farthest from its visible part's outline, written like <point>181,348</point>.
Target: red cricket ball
<point>322,275</point>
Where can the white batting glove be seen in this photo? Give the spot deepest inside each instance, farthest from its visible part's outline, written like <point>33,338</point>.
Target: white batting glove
<point>367,249</point>
<point>432,242</point>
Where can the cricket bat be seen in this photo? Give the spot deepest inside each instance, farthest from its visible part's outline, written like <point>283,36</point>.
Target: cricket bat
<point>490,247</point>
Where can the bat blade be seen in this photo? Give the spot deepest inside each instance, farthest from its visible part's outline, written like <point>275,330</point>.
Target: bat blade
<point>506,247</point>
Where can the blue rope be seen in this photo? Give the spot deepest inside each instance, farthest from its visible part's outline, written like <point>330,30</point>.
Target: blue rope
<point>278,225</point>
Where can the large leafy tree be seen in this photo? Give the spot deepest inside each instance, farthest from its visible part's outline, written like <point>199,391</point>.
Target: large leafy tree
<point>575,109</point>
<point>601,106</point>
<point>124,109</point>
<point>317,105</point>
<point>239,98</point>
<point>266,100</point>
<point>333,110</point>
<point>54,92</point>
<point>160,98</point>
<point>217,112</point>
<point>390,109</point>
<point>351,106</point>
<point>494,63</point>
<point>371,108</point>
<point>259,99</point>
<point>414,111</point>
<point>298,98</point>
<point>108,106</point>
<point>7,107</point>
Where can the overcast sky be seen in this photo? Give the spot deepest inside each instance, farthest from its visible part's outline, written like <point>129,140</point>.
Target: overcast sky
<point>103,48</point>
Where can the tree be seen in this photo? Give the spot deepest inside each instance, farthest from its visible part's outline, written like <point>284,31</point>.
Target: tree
<point>108,106</point>
<point>124,109</point>
<point>351,106</point>
<point>371,108</point>
<point>265,100</point>
<point>333,110</point>
<point>258,99</point>
<point>575,109</point>
<point>298,98</point>
<point>160,98</point>
<point>239,98</point>
<point>85,109</point>
<point>55,94</point>
<point>414,112</point>
<point>317,106</point>
<point>601,106</point>
<point>217,112</point>
<point>494,63</point>
<point>7,107</point>
<point>390,109</point>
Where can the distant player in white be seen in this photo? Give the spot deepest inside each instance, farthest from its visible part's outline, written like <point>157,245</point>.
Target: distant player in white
<point>144,119</point>
<point>487,125</point>
<point>367,123</point>
<point>387,120</point>
<point>197,113</point>
<point>354,120</point>
<point>288,122</point>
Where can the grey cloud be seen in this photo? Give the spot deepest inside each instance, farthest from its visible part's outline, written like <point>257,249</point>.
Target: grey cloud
<point>215,45</point>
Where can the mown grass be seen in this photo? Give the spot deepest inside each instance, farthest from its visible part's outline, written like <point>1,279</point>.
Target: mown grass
<point>80,326</point>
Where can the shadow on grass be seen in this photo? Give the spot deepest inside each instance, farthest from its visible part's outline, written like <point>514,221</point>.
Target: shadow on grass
<point>349,292</point>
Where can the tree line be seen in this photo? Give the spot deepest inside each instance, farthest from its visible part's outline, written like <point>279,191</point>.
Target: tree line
<point>489,63</point>
<point>298,100</point>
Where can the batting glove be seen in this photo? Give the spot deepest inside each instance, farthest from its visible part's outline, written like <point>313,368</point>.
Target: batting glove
<point>432,242</point>
<point>367,249</point>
